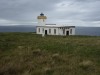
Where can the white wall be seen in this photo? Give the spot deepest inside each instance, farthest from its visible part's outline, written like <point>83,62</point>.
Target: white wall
<point>39,30</point>
<point>52,30</point>
<point>67,29</point>
<point>41,22</point>
<point>58,31</point>
<point>73,31</point>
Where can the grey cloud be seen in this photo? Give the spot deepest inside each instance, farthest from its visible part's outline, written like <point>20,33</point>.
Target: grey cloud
<point>16,9</point>
<point>28,10</point>
<point>86,10</point>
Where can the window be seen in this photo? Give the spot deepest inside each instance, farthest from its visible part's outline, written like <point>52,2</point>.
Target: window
<point>38,29</point>
<point>54,31</point>
<point>63,31</point>
<point>43,20</point>
<point>70,31</point>
<point>49,30</point>
<point>43,30</point>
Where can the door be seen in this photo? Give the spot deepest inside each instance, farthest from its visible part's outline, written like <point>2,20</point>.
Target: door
<point>67,32</point>
<point>45,32</point>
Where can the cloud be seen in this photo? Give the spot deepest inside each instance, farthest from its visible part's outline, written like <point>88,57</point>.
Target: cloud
<point>84,12</point>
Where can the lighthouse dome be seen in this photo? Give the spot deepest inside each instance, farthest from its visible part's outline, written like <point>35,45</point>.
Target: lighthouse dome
<point>41,16</point>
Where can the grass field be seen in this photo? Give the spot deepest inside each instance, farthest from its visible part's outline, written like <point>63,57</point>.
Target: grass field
<point>30,54</point>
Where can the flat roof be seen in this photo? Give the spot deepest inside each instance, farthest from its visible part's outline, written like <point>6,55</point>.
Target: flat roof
<point>50,24</point>
<point>56,26</point>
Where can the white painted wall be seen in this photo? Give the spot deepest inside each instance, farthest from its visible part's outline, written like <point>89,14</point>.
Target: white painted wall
<point>41,22</point>
<point>52,30</point>
<point>58,31</point>
<point>73,33</point>
<point>39,30</point>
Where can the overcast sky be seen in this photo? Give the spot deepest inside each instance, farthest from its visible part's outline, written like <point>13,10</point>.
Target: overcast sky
<point>69,12</point>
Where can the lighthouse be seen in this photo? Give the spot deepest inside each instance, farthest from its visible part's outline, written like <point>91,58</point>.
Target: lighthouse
<point>53,29</point>
<point>41,20</point>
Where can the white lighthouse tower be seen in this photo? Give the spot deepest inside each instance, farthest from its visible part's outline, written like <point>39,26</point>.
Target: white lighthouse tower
<point>41,20</point>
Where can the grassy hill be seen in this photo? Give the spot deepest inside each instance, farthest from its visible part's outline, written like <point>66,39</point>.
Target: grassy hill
<point>30,54</point>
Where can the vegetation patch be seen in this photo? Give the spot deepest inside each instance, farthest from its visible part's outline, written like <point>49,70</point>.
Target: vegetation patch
<point>31,54</point>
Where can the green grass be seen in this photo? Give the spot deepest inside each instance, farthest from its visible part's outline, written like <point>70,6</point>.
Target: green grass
<point>30,54</point>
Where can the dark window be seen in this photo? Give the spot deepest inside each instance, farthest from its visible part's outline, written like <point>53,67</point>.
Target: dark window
<point>49,30</point>
<point>54,31</point>
<point>43,29</point>
<point>63,31</point>
<point>39,29</point>
<point>70,31</point>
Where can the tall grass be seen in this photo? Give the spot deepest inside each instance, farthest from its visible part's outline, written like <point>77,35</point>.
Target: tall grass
<point>30,54</point>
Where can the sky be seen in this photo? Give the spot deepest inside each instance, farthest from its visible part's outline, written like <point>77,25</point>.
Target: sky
<point>67,12</point>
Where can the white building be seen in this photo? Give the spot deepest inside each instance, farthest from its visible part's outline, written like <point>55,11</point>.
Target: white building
<point>52,29</point>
